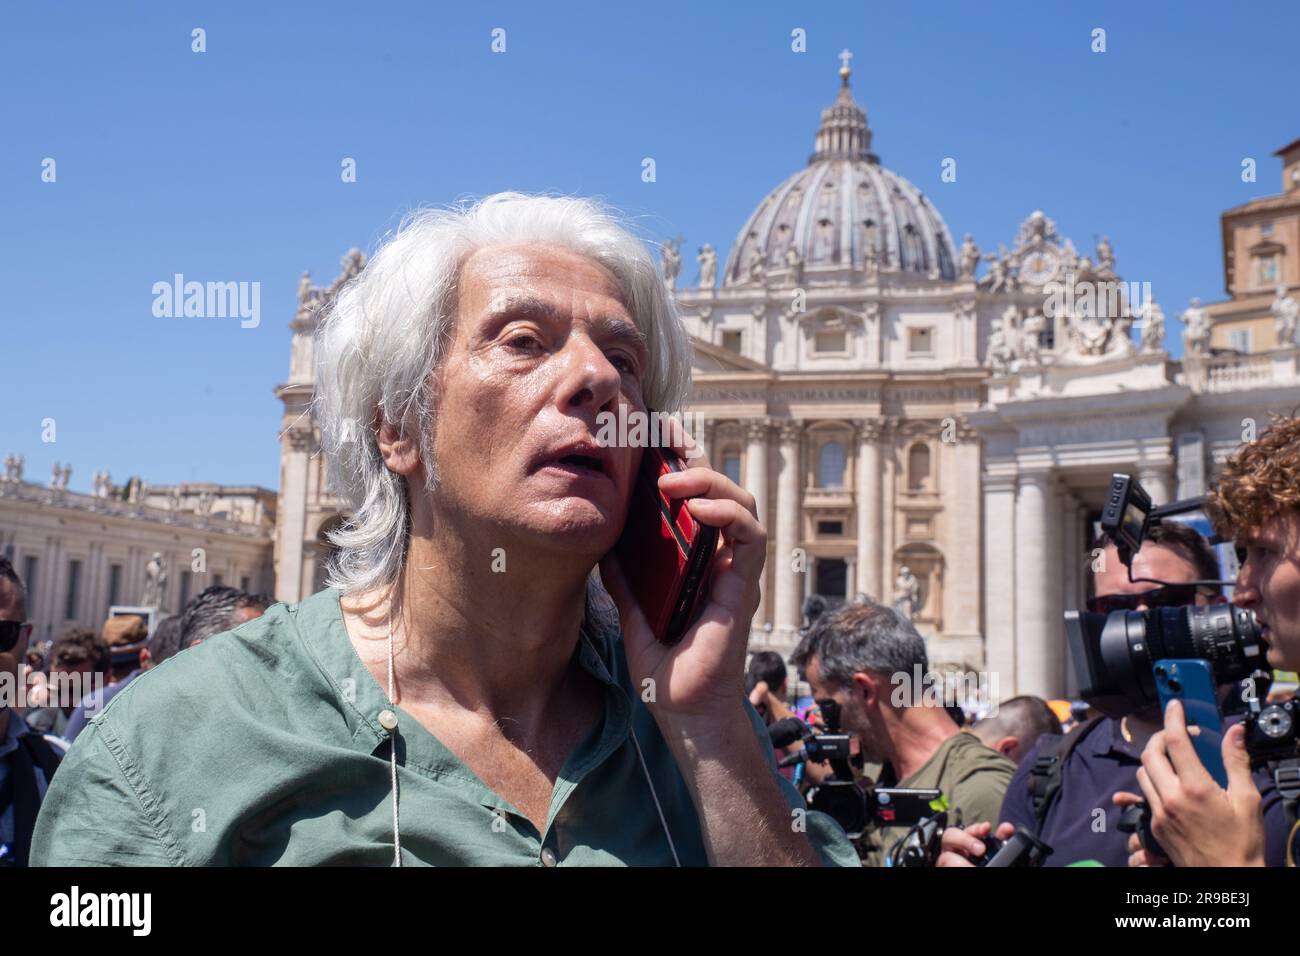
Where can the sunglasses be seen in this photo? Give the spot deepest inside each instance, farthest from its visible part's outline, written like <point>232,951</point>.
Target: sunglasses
<point>10,631</point>
<point>1172,595</point>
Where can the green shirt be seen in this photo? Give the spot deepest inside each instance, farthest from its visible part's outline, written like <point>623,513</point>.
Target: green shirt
<point>263,746</point>
<point>973,779</point>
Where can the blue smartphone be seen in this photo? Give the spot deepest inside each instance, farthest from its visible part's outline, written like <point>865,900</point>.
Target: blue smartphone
<point>1192,682</point>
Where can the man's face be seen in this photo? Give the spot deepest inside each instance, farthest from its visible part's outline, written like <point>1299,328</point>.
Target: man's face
<point>854,714</point>
<point>542,345</point>
<point>11,609</point>
<point>1154,561</point>
<point>1269,584</point>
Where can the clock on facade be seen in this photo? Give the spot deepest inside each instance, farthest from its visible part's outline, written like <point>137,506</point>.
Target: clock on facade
<point>1039,266</point>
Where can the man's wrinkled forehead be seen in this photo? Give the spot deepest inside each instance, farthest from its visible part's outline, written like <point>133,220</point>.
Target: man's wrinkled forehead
<point>498,277</point>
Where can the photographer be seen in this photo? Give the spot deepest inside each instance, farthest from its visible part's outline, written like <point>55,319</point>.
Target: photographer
<point>1198,823</point>
<point>862,656</point>
<point>1063,790</point>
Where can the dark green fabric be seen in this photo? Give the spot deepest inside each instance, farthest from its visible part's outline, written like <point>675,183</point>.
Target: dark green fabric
<point>263,746</point>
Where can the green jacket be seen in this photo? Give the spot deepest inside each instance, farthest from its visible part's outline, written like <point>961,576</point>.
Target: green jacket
<point>973,779</point>
<point>263,746</point>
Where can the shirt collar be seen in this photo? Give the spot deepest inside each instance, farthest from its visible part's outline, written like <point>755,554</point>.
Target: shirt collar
<point>320,628</point>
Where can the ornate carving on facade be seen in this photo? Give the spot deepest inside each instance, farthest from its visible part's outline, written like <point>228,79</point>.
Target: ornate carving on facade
<point>300,438</point>
<point>868,430</point>
<point>791,430</point>
<point>14,467</point>
<point>1196,331</point>
<point>969,257</point>
<point>155,582</point>
<point>758,429</point>
<point>907,593</point>
<point>672,262</point>
<point>1285,312</point>
<point>708,260</point>
<point>794,265</point>
<point>59,477</point>
<point>1152,319</point>
<point>314,300</point>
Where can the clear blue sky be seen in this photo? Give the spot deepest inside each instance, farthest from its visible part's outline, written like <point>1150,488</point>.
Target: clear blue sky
<point>225,165</point>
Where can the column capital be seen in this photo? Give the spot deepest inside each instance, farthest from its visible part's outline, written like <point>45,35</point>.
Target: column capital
<point>868,430</point>
<point>758,429</point>
<point>791,430</point>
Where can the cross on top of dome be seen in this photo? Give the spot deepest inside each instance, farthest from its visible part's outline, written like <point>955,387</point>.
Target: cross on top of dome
<point>843,133</point>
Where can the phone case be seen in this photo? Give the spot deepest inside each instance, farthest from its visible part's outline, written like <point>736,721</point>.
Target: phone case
<point>665,553</point>
<point>1192,682</point>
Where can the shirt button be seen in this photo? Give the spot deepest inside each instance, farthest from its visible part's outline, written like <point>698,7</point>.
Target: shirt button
<point>387,720</point>
<point>548,857</point>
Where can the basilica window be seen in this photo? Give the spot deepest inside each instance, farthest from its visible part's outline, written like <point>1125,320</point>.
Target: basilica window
<point>830,465</point>
<point>731,464</point>
<point>830,340</point>
<point>1267,269</point>
<point>920,341</point>
<point>72,606</point>
<point>731,340</point>
<point>918,467</point>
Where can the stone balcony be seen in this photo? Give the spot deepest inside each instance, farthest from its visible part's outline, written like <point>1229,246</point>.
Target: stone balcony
<point>76,501</point>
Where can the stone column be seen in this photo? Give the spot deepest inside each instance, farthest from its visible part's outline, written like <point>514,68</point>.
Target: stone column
<point>868,502</point>
<point>788,508</point>
<point>1157,479</point>
<point>888,511</point>
<point>756,432</point>
<point>1000,579</point>
<point>850,578</point>
<point>1039,640</point>
<point>709,440</point>
<point>289,585</point>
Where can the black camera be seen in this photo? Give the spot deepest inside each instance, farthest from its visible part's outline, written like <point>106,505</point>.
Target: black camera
<point>1114,655</point>
<point>1022,848</point>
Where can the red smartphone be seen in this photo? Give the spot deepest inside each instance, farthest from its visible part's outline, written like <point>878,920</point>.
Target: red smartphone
<point>666,555</point>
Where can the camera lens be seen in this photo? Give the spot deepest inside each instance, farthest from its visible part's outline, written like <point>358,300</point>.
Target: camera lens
<point>1114,655</point>
<point>1275,721</point>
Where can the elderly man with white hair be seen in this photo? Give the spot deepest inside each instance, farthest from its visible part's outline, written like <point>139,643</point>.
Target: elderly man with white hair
<point>465,691</point>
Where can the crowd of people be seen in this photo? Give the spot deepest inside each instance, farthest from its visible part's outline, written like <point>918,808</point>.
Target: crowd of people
<point>53,688</point>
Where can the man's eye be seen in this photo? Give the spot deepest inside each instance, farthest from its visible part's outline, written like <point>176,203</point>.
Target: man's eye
<point>623,363</point>
<point>523,342</point>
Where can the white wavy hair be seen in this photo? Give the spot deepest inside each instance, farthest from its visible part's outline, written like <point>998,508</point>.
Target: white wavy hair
<point>383,339</point>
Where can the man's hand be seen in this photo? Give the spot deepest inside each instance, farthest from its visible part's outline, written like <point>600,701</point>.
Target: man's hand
<point>699,687</point>
<point>960,846</point>
<point>1194,819</point>
<point>702,677</point>
<point>1137,855</point>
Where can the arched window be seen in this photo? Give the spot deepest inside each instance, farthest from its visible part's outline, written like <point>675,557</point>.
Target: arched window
<point>830,465</point>
<point>918,467</point>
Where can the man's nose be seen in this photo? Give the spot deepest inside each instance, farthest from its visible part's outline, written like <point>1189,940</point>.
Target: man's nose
<point>590,376</point>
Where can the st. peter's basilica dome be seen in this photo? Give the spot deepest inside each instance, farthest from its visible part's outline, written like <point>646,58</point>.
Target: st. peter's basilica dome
<point>843,213</point>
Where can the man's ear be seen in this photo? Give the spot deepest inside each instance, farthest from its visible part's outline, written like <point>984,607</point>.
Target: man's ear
<point>399,452</point>
<point>868,686</point>
<point>146,659</point>
<point>1007,746</point>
